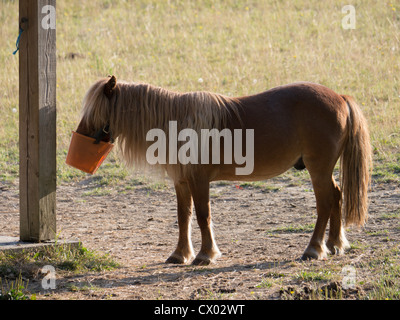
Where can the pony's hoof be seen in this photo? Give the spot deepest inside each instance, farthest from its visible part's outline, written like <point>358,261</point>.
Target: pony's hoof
<point>311,253</point>
<point>204,259</point>
<point>201,262</point>
<point>334,249</point>
<point>174,260</point>
<point>178,258</point>
<point>306,257</point>
<point>338,247</point>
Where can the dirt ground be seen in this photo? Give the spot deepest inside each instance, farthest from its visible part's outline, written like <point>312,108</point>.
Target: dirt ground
<point>261,232</point>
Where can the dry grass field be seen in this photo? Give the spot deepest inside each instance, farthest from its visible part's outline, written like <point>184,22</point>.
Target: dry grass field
<point>234,47</point>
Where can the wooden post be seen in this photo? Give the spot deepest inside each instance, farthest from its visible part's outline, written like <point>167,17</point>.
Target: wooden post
<point>37,120</point>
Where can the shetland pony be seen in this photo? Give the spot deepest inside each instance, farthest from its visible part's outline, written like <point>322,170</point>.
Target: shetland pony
<point>303,124</point>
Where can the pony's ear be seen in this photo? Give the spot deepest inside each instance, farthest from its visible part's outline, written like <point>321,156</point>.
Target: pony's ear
<point>110,86</point>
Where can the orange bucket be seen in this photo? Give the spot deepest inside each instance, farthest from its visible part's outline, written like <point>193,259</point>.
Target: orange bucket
<point>85,155</point>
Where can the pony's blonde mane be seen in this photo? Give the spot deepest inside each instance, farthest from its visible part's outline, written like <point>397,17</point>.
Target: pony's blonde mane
<point>136,108</point>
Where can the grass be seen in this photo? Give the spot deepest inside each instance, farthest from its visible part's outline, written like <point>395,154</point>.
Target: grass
<point>391,215</point>
<point>374,278</point>
<point>305,275</point>
<point>62,257</point>
<point>294,229</point>
<point>385,270</point>
<point>261,185</point>
<point>236,47</point>
<point>65,259</point>
<point>15,290</point>
<point>265,283</point>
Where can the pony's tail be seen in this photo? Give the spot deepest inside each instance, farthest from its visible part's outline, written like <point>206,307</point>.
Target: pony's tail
<point>356,165</point>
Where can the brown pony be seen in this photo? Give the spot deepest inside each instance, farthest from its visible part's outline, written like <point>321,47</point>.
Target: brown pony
<point>304,125</point>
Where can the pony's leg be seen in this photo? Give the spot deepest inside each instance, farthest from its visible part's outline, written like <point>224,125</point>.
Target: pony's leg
<point>337,241</point>
<point>209,250</point>
<point>184,250</point>
<point>327,203</point>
